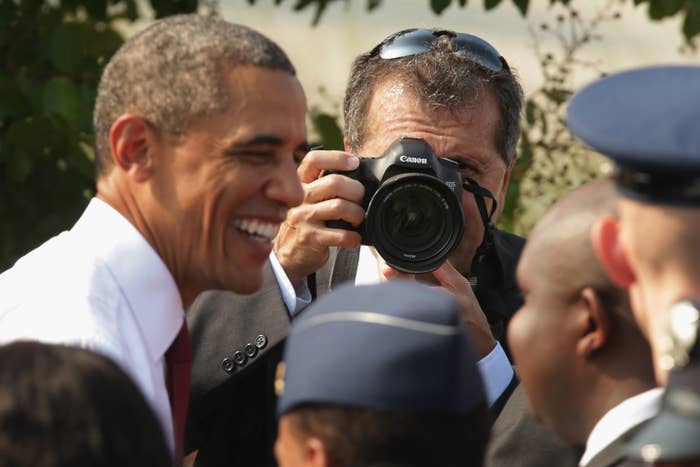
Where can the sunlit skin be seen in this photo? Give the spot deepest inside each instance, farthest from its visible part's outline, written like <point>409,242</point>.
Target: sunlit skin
<point>658,266</point>
<point>294,450</point>
<point>542,336</point>
<point>193,195</point>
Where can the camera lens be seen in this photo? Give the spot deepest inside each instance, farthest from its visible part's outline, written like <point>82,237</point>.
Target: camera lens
<point>415,221</point>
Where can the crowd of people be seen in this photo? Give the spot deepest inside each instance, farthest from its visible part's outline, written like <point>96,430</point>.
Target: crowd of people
<point>207,309</point>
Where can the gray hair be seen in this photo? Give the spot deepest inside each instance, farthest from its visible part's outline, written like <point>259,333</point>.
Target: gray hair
<point>442,80</point>
<point>173,71</point>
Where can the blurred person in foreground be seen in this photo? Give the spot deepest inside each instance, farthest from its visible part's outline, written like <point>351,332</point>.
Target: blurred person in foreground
<point>647,121</point>
<point>68,407</point>
<point>199,127</point>
<point>370,380</point>
<point>459,95</point>
<point>585,364</point>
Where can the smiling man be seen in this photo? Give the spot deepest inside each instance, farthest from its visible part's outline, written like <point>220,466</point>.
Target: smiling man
<point>199,128</point>
<point>454,91</point>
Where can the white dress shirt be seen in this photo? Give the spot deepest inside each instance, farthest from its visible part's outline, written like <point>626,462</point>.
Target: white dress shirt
<point>100,286</point>
<point>620,419</point>
<point>495,369</point>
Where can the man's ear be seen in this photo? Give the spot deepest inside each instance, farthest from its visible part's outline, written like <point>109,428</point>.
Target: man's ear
<point>346,144</point>
<point>131,141</point>
<point>605,237</point>
<point>316,454</point>
<point>596,323</point>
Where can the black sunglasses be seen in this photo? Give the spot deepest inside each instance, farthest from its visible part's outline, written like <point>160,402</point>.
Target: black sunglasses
<point>417,41</point>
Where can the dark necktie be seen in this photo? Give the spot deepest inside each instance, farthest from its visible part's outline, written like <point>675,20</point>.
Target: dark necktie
<point>178,359</point>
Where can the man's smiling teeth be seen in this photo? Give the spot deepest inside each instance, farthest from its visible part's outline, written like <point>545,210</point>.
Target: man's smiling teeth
<point>257,228</point>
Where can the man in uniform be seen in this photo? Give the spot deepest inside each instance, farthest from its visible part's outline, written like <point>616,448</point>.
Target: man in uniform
<point>648,121</point>
<point>381,375</point>
<point>584,362</point>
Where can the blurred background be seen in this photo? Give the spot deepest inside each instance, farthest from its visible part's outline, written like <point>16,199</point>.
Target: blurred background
<point>53,52</point>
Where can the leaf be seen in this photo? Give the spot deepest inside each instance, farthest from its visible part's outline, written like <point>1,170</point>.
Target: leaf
<point>373,4</point>
<point>328,130</point>
<point>530,108</point>
<point>557,96</point>
<point>522,6</point>
<point>165,8</point>
<point>96,8</point>
<point>491,4</point>
<point>659,9</point>
<point>65,48</point>
<point>60,96</point>
<point>438,6</point>
<point>102,43</point>
<point>31,135</point>
<point>12,102</point>
<point>691,24</point>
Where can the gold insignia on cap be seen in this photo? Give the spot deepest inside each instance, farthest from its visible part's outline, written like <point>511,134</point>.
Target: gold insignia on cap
<point>279,378</point>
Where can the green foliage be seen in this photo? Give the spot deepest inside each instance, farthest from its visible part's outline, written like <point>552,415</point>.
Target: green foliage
<point>658,9</point>
<point>551,161</point>
<point>52,54</point>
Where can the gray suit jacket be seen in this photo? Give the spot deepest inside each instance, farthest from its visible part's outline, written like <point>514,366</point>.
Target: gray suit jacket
<point>232,407</point>
<point>517,439</point>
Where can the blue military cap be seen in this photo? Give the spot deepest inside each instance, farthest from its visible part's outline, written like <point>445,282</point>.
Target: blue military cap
<point>398,346</point>
<point>647,121</point>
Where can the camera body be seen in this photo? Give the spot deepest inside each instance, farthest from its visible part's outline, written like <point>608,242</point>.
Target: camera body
<point>412,203</point>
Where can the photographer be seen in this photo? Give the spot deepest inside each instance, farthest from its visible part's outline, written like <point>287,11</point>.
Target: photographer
<point>455,92</point>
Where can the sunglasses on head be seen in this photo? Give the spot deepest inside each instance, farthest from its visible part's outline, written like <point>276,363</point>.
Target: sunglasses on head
<point>417,41</point>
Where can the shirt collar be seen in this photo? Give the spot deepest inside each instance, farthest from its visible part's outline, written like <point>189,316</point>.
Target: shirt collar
<point>620,419</point>
<point>145,281</point>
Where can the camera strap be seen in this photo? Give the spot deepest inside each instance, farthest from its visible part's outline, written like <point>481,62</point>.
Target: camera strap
<point>479,192</point>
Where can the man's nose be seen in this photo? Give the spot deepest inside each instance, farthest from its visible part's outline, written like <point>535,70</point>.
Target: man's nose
<point>286,186</point>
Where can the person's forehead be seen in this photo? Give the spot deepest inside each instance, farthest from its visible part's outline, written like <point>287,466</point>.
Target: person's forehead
<point>394,110</point>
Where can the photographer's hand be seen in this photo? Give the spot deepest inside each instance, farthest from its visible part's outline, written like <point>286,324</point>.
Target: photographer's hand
<point>302,243</point>
<point>460,288</point>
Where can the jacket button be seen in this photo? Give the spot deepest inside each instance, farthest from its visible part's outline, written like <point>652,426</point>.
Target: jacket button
<point>240,358</point>
<point>250,350</point>
<point>228,365</point>
<point>260,341</point>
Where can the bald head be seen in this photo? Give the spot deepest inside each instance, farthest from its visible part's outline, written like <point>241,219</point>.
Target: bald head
<point>575,326</point>
<point>560,242</point>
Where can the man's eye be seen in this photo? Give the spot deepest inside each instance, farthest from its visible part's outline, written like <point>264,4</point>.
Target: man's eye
<point>253,157</point>
<point>466,167</point>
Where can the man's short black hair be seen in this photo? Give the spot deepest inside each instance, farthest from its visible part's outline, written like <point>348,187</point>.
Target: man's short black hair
<point>356,436</point>
<point>64,407</point>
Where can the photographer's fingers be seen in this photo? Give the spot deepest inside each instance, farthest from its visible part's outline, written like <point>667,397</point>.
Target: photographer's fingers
<point>472,314</point>
<point>452,280</point>
<point>334,186</point>
<point>327,210</point>
<point>387,273</point>
<point>314,162</point>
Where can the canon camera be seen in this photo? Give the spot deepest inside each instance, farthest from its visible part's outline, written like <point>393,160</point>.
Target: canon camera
<point>413,212</point>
